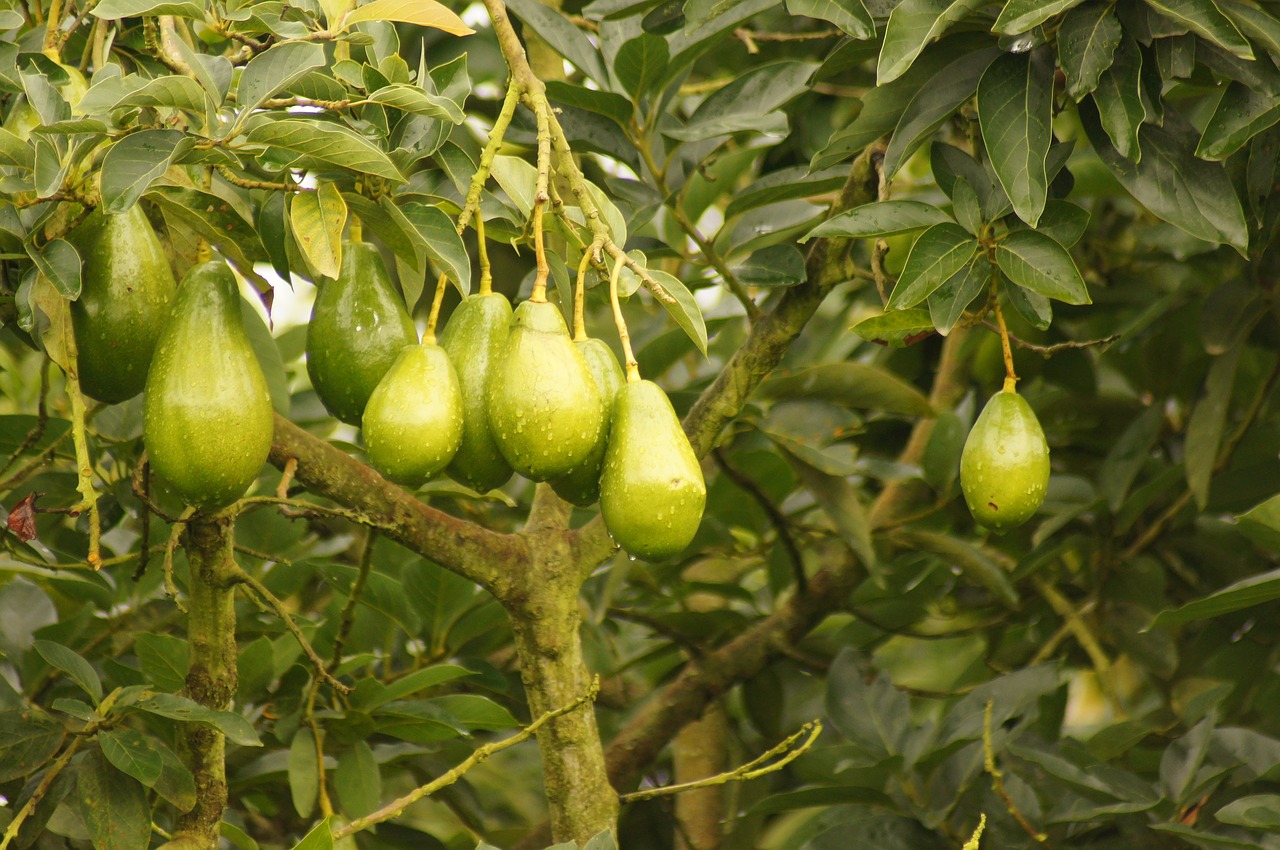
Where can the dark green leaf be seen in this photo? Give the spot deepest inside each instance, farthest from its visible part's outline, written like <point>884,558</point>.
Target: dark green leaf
<point>1257,23</point>
<point>60,262</point>
<point>966,207</point>
<point>1087,41</point>
<point>972,561</point>
<point>937,254</point>
<point>76,668</point>
<point>274,70</point>
<point>175,783</point>
<point>896,328</point>
<point>849,15</point>
<point>941,463</point>
<point>949,301</point>
<point>1037,262</point>
<point>777,265</point>
<point>839,501</point>
<point>609,104</point>
<point>1119,100</point>
<point>641,63</point>
<point>442,243</point>
<point>914,24</point>
<point>881,218</point>
<point>326,142</point>
<point>749,103</point>
<point>1125,459</point>
<point>569,41</point>
<point>1020,16</point>
<point>1036,309</point>
<point>113,806</point>
<point>1015,108</point>
<point>358,781</point>
<point>27,742</point>
<point>133,753</point>
<point>1063,222</point>
<point>304,771</point>
<point>950,165</point>
<point>1206,19</point>
<point>1208,421</point>
<point>1262,523</point>
<point>213,218</point>
<point>1241,114</point>
<point>235,727</point>
<point>851,384</point>
<point>133,163</point>
<point>874,716</point>
<point>1245,593</point>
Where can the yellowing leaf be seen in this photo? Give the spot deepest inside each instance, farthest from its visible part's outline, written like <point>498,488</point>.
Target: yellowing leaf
<point>318,219</point>
<point>424,13</point>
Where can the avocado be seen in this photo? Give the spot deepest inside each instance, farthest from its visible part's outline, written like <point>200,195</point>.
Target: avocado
<point>582,486</point>
<point>126,298</point>
<point>1004,468</point>
<point>413,422</point>
<point>359,325</point>
<point>473,339</point>
<point>544,408</point>
<point>207,418</point>
<point>651,489</point>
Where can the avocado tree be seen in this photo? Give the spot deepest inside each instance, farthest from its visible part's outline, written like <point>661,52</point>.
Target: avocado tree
<point>882,446</point>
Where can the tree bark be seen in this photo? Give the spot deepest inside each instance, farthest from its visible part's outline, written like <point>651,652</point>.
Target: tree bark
<point>212,680</point>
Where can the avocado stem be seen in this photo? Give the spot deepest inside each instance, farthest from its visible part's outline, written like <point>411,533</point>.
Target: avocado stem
<point>539,295</point>
<point>580,294</point>
<point>436,300</point>
<point>1010,376</point>
<point>357,229</point>
<point>629,357</point>
<point>486,274</point>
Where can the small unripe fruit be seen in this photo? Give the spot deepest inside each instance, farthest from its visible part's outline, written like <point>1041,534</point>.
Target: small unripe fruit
<point>1004,469</point>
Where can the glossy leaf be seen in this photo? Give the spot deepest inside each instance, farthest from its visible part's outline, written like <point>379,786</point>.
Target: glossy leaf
<point>133,753</point>
<point>849,15</point>
<point>937,254</point>
<point>1019,16</point>
<point>1087,41</point>
<point>1206,19</point>
<point>1033,260</point>
<point>59,261</point>
<point>235,727</point>
<point>641,63</point>
<point>896,328</point>
<point>274,70</point>
<point>1119,100</point>
<point>949,301</point>
<point>882,218</point>
<point>133,163</point>
<point>77,669</point>
<point>214,219</point>
<point>913,24</point>
<point>442,243</point>
<point>683,308</point>
<point>561,34</point>
<point>1015,109</point>
<point>1241,114</point>
<point>327,142</point>
<point>1246,593</point>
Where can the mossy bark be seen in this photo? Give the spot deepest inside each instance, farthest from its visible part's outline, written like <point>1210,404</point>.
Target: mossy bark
<point>211,633</point>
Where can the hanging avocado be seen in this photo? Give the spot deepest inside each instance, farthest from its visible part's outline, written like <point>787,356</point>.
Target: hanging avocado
<point>125,301</point>
<point>651,489</point>
<point>207,419</point>
<point>544,408</point>
<point>1004,468</point>
<point>474,339</point>
<point>359,325</point>
<point>582,486</point>
<point>413,422</point>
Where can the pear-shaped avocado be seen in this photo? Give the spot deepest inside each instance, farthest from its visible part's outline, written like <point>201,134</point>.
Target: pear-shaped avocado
<point>582,486</point>
<point>473,339</point>
<point>125,301</point>
<point>544,408</point>
<point>413,422</point>
<point>1004,468</point>
<point>359,325</point>
<point>651,489</point>
<point>207,420</point>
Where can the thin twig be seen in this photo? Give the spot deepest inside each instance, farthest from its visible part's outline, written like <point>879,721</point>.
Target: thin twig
<point>348,617</point>
<point>776,517</point>
<point>11,832</point>
<point>997,783</point>
<point>1050,350</point>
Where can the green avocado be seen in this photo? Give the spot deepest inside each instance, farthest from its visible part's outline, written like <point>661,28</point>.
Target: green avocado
<point>413,422</point>
<point>125,301</point>
<point>207,419</point>
<point>651,490</point>
<point>359,325</point>
<point>1004,468</point>
<point>473,339</point>
<point>544,408</point>
<point>582,486</point>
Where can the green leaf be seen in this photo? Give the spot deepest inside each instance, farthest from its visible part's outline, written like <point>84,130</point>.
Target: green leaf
<point>880,218</point>
<point>358,781</point>
<point>941,462</point>
<point>235,727</point>
<point>1019,16</point>
<point>611,105</point>
<point>949,301</point>
<point>1262,523</point>
<point>1257,811</point>
<point>1245,593</point>
<point>443,244</point>
<point>173,92</point>
<point>319,838</point>
<point>213,218</point>
<point>777,265</point>
<point>1063,222</point>
<point>897,328</point>
<point>1119,101</point>
<point>683,308</point>
<point>1189,193</point>
<point>849,15</point>
<point>423,13</point>
<point>1203,17</point>
<point>913,24</point>
<point>518,179</point>
<point>1242,113</point>
<point>750,103</point>
<point>274,70</point>
<point>60,262</point>
<point>950,166</point>
<point>567,40</point>
<point>133,753</point>
<point>1258,24</point>
<point>175,783</point>
<point>76,668</point>
<point>1087,40</point>
<point>1033,260</point>
<point>318,219</point>
<point>934,104</point>
<point>875,716</point>
<point>1208,421</point>
<point>1015,109</point>
<point>937,254</point>
<point>474,712</point>
<point>413,99</point>
<point>851,384</point>
<point>972,561</point>
<point>641,63</point>
<point>15,153</point>
<point>327,142</point>
<point>114,10</point>
<point>1125,458</point>
<point>133,163</point>
<point>27,742</point>
<point>839,501</point>
<point>304,771</point>
<point>113,806</point>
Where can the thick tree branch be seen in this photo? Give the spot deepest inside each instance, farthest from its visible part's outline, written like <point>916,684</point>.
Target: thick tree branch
<point>486,557</point>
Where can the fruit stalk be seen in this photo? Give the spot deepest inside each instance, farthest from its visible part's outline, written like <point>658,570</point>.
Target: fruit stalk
<point>486,273</point>
<point>580,293</point>
<point>437,299</point>
<point>1010,376</point>
<point>211,634</point>
<point>633,368</point>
